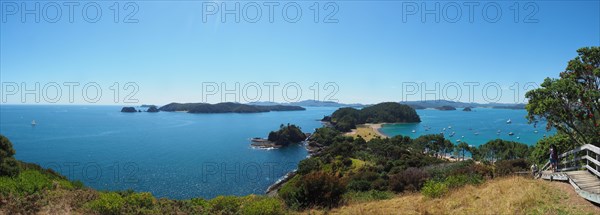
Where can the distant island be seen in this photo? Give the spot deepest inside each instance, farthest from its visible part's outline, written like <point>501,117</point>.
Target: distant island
<point>446,107</point>
<point>286,135</point>
<point>467,109</point>
<point>128,110</point>
<point>152,109</point>
<point>515,107</point>
<point>439,103</point>
<point>309,103</point>
<point>226,107</point>
<point>345,119</point>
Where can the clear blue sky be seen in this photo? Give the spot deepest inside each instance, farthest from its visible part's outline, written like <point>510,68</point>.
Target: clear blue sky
<point>368,53</point>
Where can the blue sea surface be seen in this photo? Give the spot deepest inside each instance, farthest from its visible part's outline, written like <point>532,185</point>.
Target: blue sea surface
<point>181,155</point>
<point>475,127</point>
<point>176,155</point>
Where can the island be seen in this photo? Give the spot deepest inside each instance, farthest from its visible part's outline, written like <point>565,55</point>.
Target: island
<point>226,107</point>
<point>287,134</point>
<point>152,109</point>
<point>346,119</point>
<point>445,107</point>
<point>467,109</point>
<point>128,110</point>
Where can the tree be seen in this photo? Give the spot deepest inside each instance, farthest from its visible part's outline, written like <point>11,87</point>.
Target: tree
<point>8,164</point>
<point>571,104</point>
<point>463,146</point>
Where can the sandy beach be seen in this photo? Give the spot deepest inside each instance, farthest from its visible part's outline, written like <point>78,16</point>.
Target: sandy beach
<point>376,128</point>
<point>368,131</point>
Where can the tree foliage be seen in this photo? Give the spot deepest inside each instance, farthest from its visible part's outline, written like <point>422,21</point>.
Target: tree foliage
<point>287,134</point>
<point>499,149</point>
<point>8,164</point>
<point>571,103</point>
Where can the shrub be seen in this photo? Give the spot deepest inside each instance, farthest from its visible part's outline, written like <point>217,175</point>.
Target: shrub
<point>107,203</point>
<point>308,165</point>
<point>225,204</point>
<point>505,167</point>
<point>140,200</point>
<point>359,185</point>
<point>411,179</point>
<point>314,189</point>
<point>8,165</point>
<point>31,181</point>
<point>265,206</point>
<point>434,189</point>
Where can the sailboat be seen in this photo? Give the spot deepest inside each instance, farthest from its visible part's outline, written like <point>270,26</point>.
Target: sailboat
<point>33,123</point>
<point>508,121</point>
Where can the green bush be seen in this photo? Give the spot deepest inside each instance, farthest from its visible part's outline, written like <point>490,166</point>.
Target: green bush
<point>359,185</point>
<point>265,206</point>
<point>31,181</point>
<point>434,189</point>
<point>314,189</point>
<point>142,200</point>
<point>107,203</point>
<point>506,167</point>
<point>8,165</point>
<point>308,165</point>
<point>412,179</point>
<point>225,204</point>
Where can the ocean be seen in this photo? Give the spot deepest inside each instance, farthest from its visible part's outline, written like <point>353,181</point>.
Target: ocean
<point>181,155</point>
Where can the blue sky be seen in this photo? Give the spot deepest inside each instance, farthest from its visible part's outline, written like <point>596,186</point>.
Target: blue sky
<point>370,53</point>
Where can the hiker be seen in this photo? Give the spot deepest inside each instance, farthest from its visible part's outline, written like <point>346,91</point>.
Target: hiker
<point>553,158</point>
<point>534,169</point>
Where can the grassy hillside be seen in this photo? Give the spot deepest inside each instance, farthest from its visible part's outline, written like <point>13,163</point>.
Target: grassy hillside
<point>510,195</point>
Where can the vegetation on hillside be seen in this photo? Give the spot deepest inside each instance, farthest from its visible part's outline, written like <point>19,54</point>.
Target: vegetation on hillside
<point>287,134</point>
<point>345,119</point>
<point>349,168</point>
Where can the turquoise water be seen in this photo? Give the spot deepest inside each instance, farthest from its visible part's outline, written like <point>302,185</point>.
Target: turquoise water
<point>477,126</point>
<point>180,155</point>
<point>176,155</point>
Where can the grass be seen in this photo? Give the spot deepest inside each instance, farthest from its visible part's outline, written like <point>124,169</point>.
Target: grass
<point>366,132</point>
<point>513,195</point>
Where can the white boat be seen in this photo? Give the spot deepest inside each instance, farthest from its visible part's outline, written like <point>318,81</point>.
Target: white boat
<point>535,131</point>
<point>511,133</point>
<point>443,129</point>
<point>449,127</point>
<point>413,131</point>
<point>33,123</point>
<point>458,140</point>
<point>508,121</point>
<point>518,137</point>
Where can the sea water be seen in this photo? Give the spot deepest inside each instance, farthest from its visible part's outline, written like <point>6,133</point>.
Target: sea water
<point>181,155</point>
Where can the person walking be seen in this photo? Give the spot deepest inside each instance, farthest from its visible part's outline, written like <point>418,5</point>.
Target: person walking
<point>553,158</point>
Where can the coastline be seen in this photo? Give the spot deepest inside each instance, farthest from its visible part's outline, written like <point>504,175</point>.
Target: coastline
<point>376,127</point>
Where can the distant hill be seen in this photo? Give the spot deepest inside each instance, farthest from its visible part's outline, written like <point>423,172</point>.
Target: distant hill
<point>226,107</point>
<point>440,103</point>
<point>309,103</point>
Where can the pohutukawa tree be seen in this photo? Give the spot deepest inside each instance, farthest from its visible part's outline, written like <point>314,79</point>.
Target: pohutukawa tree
<point>571,103</point>
<point>8,164</point>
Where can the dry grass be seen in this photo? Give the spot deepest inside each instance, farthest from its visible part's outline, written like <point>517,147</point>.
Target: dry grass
<point>514,195</point>
<point>365,131</point>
